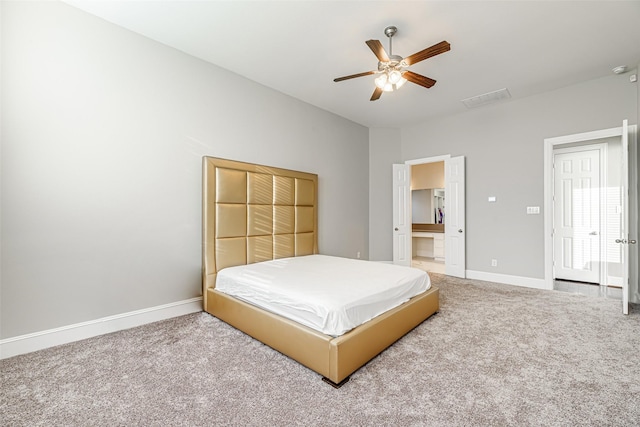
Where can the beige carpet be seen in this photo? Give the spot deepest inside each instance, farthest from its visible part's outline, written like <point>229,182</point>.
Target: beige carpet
<point>495,355</point>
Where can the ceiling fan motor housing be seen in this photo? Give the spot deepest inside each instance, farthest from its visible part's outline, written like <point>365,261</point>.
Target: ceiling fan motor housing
<point>395,63</point>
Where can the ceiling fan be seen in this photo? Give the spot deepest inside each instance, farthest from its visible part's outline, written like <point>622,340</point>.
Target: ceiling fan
<point>392,68</point>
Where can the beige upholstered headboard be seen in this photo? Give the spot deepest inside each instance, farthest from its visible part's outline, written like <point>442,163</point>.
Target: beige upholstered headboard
<point>254,213</point>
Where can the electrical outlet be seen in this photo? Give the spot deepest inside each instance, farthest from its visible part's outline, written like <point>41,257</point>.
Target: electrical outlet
<point>358,255</point>
<point>494,263</point>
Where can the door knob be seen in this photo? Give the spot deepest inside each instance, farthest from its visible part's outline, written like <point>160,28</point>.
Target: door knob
<point>593,233</point>
<point>460,230</point>
<point>396,228</point>
<point>630,241</point>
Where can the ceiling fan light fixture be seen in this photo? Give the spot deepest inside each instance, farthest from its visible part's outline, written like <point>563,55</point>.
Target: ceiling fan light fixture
<point>395,77</point>
<point>381,80</point>
<point>389,81</point>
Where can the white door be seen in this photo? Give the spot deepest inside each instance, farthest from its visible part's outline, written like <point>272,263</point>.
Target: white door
<point>624,240</point>
<point>402,215</point>
<point>576,214</point>
<point>454,220</point>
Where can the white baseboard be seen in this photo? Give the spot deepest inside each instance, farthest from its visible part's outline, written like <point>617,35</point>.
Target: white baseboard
<point>615,281</point>
<point>527,282</point>
<point>52,337</point>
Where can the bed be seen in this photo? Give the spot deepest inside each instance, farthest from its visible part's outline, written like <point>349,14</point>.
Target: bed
<point>254,214</point>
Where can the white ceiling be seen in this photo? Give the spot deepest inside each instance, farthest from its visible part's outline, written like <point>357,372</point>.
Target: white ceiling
<point>299,47</point>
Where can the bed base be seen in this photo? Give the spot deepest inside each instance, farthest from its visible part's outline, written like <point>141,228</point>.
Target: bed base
<point>334,385</point>
<point>335,358</point>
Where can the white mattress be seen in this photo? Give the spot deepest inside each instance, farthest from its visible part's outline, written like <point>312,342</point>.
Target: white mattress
<point>329,294</point>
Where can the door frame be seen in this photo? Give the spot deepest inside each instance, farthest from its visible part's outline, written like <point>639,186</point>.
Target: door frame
<point>549,144</point>
<point>602,147</point>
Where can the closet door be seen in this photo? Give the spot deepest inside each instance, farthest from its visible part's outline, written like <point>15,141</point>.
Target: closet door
<point>577,212</point>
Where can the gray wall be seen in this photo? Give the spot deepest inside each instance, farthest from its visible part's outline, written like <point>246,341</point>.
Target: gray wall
<point>103,132</point>
<point>503,146</point>
<point>384,151</point>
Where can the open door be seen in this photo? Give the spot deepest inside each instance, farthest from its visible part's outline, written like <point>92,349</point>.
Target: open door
<point>625,240</point>
<point>454,224</point>
<point>402,215</point>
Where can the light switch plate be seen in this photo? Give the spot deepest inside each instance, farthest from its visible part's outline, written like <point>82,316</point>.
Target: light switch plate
<point>533,210</point>
<point>492,199</point>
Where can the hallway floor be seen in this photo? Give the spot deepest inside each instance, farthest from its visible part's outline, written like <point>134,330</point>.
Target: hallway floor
<point>609,292</point>
<point>429,265</point>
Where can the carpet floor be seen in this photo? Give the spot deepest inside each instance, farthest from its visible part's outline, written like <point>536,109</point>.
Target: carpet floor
<point>495,355</point>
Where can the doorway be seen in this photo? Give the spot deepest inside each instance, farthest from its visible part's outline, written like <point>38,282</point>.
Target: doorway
<point>580,220</point>
<point>614,239</point>
<point>428,207</point>
<point>453,215</point>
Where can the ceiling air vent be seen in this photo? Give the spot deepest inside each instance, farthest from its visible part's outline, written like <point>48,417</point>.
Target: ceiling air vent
<point>487,98</point>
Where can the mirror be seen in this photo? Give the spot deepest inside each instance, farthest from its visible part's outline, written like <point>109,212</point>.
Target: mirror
<point>427,206</point>
<point>438,205</point>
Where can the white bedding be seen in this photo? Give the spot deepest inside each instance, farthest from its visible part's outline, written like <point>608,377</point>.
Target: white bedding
<point>329,294</point>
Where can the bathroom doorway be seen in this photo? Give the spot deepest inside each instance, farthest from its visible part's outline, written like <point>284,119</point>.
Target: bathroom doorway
<point>428,216</point>
<point>453,218</point>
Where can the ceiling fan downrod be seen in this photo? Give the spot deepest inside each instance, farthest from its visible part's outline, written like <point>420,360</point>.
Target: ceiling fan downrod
<point>390,31</point>
<point>394,60</point>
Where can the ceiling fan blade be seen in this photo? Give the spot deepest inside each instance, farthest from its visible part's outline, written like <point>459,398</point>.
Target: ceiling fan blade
<point>378,50</point>
<point>418,79</point>
<point>353,76</point>
<point>376,94</point>
<point>434,50</point>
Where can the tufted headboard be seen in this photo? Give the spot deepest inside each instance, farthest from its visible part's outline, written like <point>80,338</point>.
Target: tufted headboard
<point>253,213</point>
